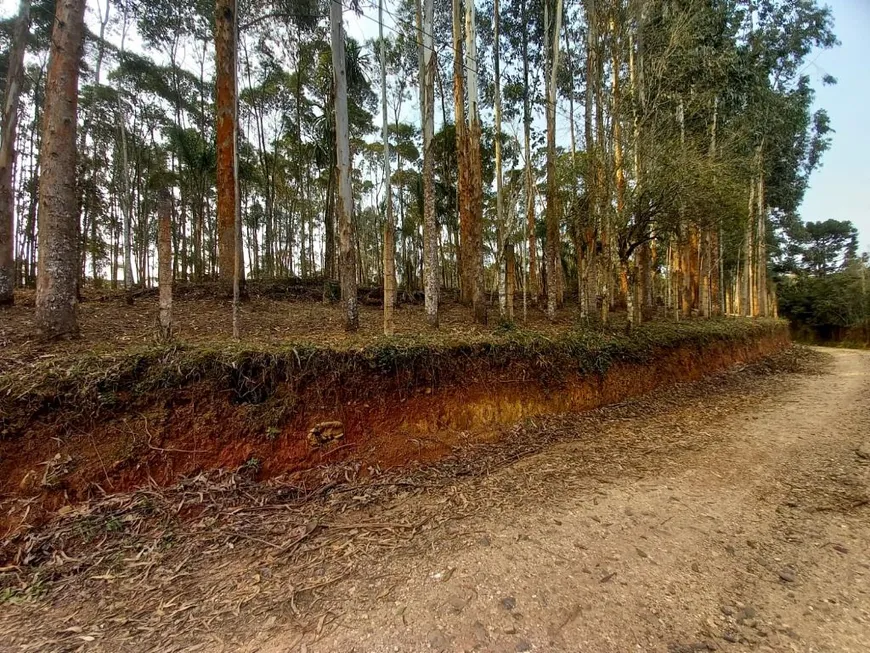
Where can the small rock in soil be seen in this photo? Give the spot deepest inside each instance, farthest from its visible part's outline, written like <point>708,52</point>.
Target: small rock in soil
<point>864,451</point>
<point>729,549</point>
<point>840,548</point>
<point>731,636</point>
<point>457,603</point>
<point>484,541</point>
<point>481,634</point>
<point>641,552</point>
<point>747,613</point>
<point>523,645</point>
<point>727,610</point>
<point>438,641</point>
<point>509,603</point>
<point>443,575</point>
<point>696,567</point>
<point>787,574</point>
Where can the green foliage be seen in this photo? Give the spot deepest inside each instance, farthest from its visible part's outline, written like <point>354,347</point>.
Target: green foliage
<point>828,246</point>
<point>823,287</point>
<point>833,307</point>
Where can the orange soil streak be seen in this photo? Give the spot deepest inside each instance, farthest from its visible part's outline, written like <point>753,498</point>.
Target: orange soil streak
<point>198,429</point>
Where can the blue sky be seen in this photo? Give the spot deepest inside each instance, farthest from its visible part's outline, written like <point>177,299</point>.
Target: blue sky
<point>841,188</point>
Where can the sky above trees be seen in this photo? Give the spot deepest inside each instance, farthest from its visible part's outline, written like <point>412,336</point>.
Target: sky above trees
<point>840,189</point>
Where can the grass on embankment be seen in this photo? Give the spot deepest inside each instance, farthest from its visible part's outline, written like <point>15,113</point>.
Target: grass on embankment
<point>89,386</point>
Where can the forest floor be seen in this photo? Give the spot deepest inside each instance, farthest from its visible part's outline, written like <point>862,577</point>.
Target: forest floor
<point>731,514</point>
<point>274,313</point>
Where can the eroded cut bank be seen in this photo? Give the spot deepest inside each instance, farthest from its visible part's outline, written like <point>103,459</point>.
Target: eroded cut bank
<point>100,424</point>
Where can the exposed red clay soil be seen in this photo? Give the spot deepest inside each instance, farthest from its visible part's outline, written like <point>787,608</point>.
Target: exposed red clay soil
<point>197,428</point>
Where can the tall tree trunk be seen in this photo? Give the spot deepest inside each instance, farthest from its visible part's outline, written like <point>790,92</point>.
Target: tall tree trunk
<point>57,275</point>
<point>389,223</point>
<point>643,272</point>
<point>462,176</point>
<point>14,79</point>
<point>126,194</point>
<point>533,283</point>
<point>590,179</point>
<point>627,280</point>
<point>225,106</point>
<point>344,196</point>
<point>87,189</point>
<point>164,263</point>
<point>430,227</point>
<point>501,227</point>
<point>761,244</point>
<point>115,247</point>
<point>552,217</point>
<point>626,273</point>
<point>602,187</point>
<point>575,225</point>
<point>238,252</point>
<point>126,200</point>
<point>475,173</point>
<point>510,277</point>
<point>760,304</point>
<point>683,246</point>
<point>300,176</point>
<point>747,290</point>
<point>705,276</point>
<point>329,211</point>
<point>35,143</point>
<point>717,282</point>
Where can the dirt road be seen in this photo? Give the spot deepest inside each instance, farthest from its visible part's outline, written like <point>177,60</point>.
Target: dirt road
<point>729,515</point>
<point>750,531</point>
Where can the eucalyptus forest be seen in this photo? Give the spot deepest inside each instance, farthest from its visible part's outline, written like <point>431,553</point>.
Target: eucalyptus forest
<point>336,326</point>
<point>641,156</point>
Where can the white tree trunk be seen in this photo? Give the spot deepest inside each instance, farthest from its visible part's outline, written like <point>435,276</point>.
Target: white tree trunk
<point>344,195</point>
<point>164,264</point>
<point>552,220</point>
<point>124,199</point>
<point>430,229</point>
<point>474,165</point>
<point>471,62</point>
<point>501,261</point>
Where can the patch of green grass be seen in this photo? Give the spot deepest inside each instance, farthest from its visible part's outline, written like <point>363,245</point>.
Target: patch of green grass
<point>27,594</point>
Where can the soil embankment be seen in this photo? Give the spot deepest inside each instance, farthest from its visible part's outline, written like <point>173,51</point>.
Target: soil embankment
<point>85,427</point>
